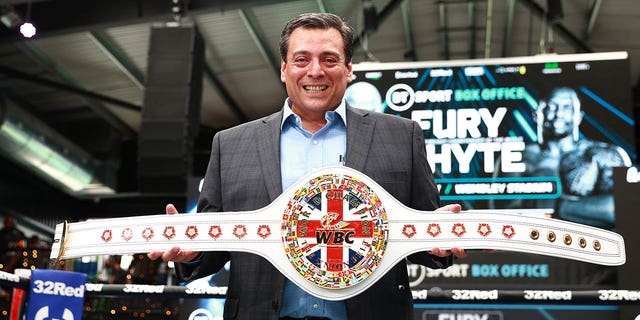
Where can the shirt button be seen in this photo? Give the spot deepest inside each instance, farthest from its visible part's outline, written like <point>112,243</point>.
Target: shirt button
<point>400,287</point>
<point>315,306</point>
<point>314,141</point>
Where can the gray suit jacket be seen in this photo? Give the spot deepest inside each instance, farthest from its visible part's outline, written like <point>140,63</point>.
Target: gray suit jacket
<point>244,174</point>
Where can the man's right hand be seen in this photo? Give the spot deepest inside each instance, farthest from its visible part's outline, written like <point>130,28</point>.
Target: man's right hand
<point>175,254</point>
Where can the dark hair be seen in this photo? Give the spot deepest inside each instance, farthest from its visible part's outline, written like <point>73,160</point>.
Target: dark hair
<point>318,21</point>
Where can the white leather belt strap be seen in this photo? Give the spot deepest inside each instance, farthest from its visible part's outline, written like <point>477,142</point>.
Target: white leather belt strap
<point>336,232</point>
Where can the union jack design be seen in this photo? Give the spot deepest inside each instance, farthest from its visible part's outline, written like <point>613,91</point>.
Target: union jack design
<point>334,231</point>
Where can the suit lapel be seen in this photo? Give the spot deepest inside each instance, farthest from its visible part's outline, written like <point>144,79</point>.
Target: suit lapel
<point>359,137</point>
<point>360,129</point>
<point>269,153</point>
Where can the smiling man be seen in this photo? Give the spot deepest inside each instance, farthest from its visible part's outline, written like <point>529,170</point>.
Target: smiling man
<point>316,72</point>
<point>253,163</point>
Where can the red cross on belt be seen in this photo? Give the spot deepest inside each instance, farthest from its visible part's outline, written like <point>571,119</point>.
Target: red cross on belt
<point>334,233</point>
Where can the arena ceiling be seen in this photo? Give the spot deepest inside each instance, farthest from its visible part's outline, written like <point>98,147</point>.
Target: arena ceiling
<point>79,84</point>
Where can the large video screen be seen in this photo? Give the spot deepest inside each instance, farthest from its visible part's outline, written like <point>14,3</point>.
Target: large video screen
<point>535,135</point>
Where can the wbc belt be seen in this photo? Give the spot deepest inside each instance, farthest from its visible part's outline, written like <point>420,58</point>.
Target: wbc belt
<point>335,232</point>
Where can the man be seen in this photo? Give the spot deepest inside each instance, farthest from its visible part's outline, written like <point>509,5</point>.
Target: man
<point>557,133</point>
<point>10,234</point>
<point>10,238</point>
<point>584,166</point>
<point>251,164</point>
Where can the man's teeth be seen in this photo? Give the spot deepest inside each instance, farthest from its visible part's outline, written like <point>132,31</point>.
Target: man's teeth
<point>315,88</point>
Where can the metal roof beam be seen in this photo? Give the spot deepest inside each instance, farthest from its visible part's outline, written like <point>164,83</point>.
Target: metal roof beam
<point>508,25</point>
<point>471,13</point>
<point>258,37</point>
<point>593,15</point>
<point>322,6</point>
<point>444,27</point>
<point>224,93</point>
<point>92,98</point>
<point>57,17</point>
<point>122,61</point>
<point>408,32</point>
<point>13,73</point>
<point>559,28</point>
<point>381,17</point>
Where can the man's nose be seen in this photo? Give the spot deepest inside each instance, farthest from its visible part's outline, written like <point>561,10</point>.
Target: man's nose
<point>315,69</point>
<point>563,114</point>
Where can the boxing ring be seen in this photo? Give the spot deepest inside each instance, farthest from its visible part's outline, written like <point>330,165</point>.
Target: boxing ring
<point>613,297</point>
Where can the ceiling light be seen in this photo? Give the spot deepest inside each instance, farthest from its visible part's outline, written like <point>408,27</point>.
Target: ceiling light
<point>27,29</point>
<point>34,145</point>
<point>12,20</point>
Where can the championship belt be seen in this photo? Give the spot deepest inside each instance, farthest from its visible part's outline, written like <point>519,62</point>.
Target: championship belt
<point>335,232</point>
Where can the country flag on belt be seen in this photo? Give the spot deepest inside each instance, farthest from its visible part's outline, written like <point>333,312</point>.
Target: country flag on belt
<point>336,233</point>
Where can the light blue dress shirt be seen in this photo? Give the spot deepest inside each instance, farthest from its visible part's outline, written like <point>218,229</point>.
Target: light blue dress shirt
<point>300,153</point>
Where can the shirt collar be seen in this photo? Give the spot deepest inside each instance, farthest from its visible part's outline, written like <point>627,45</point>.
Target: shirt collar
<point>341,111</point>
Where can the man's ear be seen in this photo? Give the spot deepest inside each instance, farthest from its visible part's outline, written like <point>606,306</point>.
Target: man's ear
<point>534,113</point>
<point>579,118</point>
<point>283,66</point>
